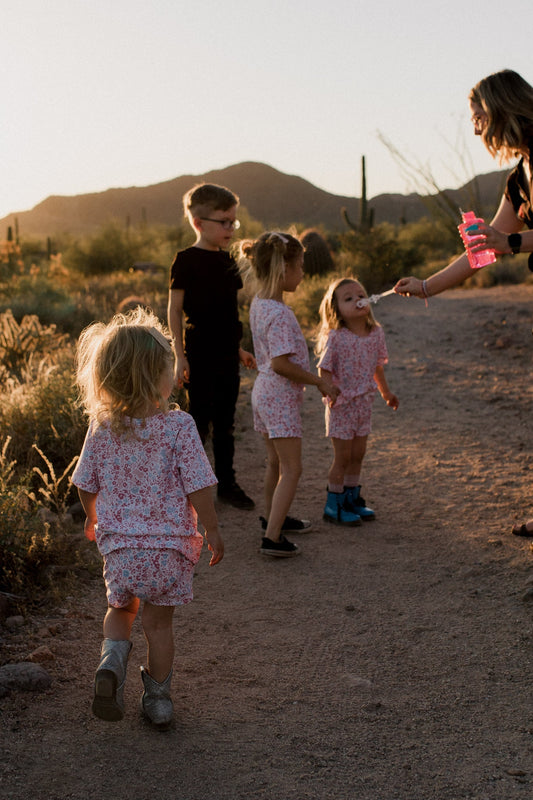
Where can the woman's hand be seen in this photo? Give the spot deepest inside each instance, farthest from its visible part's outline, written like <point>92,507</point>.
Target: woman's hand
<point>490,239</point>
<point>409,287</point>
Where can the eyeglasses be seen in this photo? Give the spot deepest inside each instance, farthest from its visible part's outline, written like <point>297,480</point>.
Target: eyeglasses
<point>227,224</point>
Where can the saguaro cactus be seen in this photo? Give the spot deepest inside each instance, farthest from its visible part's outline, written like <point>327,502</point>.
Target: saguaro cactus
<point>366,214</point>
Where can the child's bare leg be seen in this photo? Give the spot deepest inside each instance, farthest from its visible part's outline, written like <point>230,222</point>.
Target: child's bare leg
<point>272,474</point>
<point>157,627</point>
<point>289,452</point>
<point>355,465</point>
<point>341,459</point>
<point>118,621</point>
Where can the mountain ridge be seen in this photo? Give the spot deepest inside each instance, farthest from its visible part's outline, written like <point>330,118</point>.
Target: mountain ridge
<point>275,198</point>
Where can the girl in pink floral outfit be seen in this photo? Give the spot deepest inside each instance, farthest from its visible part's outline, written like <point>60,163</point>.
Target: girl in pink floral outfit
<point>143,477</point>
<point>352,353</point>
<point>275,261</point>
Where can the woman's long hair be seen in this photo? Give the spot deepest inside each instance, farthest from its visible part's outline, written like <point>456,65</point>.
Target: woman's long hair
<point>507,100</point>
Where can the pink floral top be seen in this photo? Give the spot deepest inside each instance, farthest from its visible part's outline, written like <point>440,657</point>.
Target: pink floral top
<point>276,332</point>
<point>142,483</point>
<point>352,361</point>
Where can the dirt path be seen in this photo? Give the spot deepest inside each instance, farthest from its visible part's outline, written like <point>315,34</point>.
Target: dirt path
<point>392,662</point>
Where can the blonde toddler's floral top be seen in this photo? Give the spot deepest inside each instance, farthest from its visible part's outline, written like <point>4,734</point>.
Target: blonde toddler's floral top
<point>352,360</point>
<point>142,483</point>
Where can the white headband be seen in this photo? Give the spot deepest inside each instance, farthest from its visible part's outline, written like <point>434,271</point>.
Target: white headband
<point>280,236</point>
<point>158,336</point>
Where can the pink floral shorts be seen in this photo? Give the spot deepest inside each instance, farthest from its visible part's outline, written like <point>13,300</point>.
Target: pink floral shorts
<point>278,417</point>
<point>353,418</point>
<point>162,577</point>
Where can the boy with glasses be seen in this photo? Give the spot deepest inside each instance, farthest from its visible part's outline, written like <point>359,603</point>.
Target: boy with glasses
<point>204,283</point>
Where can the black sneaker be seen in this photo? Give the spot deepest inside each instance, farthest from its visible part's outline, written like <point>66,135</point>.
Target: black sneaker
<point>281,549</point>
<point>235,496</point>
<point>291,525</point>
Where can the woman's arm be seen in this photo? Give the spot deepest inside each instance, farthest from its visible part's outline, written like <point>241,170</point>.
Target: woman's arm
<point>505,222</point>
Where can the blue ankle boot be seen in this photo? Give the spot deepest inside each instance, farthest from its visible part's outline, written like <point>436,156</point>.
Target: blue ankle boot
<point>337,510</point>
<point>357,504</point>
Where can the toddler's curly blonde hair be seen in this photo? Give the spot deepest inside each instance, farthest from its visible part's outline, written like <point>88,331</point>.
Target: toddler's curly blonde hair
<point>120,366</point>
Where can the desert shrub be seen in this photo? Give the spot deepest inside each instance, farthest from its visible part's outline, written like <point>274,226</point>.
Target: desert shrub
<point>43,410</point>
<point>39,554</point>
<point>306,299</point>
<point>506,270</point>
<point>317,256</point>
<point>107,251</point>
<point>21,343</point>
<point>100,298</point>
<point>41,288</point>
<point>431,239</point>
<point>377,257</point>
<point>114,248</point>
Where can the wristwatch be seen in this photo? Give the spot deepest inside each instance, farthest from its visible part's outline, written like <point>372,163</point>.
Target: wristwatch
<point>514,240</point>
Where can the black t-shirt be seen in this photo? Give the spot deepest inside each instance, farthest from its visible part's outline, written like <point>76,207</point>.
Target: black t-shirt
<point>210,282</point>
<point>519,190</point>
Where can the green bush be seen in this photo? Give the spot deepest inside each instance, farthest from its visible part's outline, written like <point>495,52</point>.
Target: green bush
<point>506,270</point>
<point>306,300</point>
<point>317,256</point>
<point>377,257</point>
<point>107,251</point>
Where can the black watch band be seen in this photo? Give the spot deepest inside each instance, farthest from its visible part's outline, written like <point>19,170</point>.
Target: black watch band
<point>514,240</point>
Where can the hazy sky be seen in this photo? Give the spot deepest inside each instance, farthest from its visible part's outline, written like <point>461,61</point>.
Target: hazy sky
<point>114,93</point>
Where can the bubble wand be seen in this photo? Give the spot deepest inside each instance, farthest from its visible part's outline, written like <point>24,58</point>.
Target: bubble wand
<point>373,299</point>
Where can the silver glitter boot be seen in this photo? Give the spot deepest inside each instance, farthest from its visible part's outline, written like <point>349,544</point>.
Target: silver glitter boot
<point>109,680</point>
<point>155,701</point>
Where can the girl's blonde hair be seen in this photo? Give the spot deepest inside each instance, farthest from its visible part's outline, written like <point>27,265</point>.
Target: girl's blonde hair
<point>120,366</point>
<point>507,100</point>
<point>330,318</point>
<point>263,261</point>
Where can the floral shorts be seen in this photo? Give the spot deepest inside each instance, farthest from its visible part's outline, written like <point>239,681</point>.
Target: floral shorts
<point>162,577</point>
<point>278,417</point>
<point>353,418</point>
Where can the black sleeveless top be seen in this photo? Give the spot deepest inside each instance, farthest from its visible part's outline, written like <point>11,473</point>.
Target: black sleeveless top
<point>519,190</point>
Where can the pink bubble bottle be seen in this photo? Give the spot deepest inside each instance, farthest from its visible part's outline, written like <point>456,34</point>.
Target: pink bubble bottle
<point>483,257</point>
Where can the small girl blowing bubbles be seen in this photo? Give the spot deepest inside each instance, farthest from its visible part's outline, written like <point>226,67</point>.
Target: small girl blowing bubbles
<point>143,477</point>
<point>352,352</point>
<point>275,262</point>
